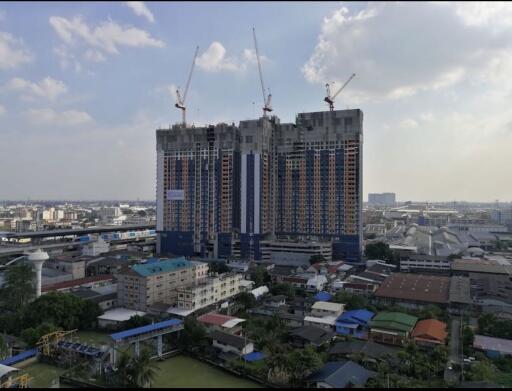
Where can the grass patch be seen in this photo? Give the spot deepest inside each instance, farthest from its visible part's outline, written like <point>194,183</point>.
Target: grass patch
<point>182,371</point>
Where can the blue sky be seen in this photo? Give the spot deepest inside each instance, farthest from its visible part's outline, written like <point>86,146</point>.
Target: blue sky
<point>84,85</point>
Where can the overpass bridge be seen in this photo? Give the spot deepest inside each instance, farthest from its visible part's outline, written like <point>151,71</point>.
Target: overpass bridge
<point>77,232</point>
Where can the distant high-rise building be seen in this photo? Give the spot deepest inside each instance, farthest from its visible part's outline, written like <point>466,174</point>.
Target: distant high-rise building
<point>384,199</point>
<point>222,184</point>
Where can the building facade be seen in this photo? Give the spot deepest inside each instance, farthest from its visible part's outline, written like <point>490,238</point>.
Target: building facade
<point>209,291</point>
<point>143,285</point>
<point>225,186</point>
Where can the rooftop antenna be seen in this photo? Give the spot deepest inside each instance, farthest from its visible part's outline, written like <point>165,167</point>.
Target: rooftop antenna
<point>330,99</point>
<point>266,99</point>
<point>180,100</point>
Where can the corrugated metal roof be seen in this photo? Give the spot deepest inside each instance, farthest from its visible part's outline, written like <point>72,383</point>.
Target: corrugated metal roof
<point>394,321</point>
<point>145,329</point>
<point>495,344</point>
<point>161,266</point>
<point>19,357</point>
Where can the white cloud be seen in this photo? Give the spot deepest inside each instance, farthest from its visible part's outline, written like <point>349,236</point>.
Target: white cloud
<point>66,58</point>
<point>399,50</point>
<point>168,89</point>
<point>46,88</point>
<point>2,110</point>
<point>214,59</point>
<point>94,56</point>
<point>106,38</point>
<point>12,52</point>
<point>52,117</point>
<point>140,9</point>
<point>408,123</point>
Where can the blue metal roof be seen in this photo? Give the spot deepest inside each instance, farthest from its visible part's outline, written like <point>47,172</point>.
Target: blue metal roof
<point>361,316</point>
<point>145,329</point>
<point>340,374</point>
<point>19,357</point>
<point>254,356</point>
<point>78,347</point>
<point>161,266</point>
<point>323,296</point>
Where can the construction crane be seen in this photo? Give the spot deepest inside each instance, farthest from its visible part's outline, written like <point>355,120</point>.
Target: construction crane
<point>266,99</point>
<point>330,99</point>
<point>17,382</point>
<point>180,104</point>
<point>52,339</point>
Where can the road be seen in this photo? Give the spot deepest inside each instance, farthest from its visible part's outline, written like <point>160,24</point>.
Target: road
<point>453,375</point>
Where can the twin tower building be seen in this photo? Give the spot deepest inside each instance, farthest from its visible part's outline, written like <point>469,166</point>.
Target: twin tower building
<point>227,191</point>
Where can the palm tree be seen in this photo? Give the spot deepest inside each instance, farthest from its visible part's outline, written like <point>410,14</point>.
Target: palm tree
<point>123,369</point>
<point>143,370</point>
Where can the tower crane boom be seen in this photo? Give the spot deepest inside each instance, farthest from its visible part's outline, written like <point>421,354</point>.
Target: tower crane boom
<point>330,99</point>
<point>266,99</point>
<point>180,100</point>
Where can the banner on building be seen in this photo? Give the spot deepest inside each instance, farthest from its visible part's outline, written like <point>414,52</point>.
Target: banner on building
<point>175,195</point>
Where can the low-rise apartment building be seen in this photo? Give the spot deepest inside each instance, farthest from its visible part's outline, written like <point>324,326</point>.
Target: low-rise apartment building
<point>209,291</point>
<point>156,281</point>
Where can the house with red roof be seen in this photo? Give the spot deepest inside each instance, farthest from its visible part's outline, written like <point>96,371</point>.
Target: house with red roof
<point>224,323</point>
<point>430,333</point>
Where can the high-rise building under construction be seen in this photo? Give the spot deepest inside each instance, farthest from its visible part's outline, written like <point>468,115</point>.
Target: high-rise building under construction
<point>224,187</point>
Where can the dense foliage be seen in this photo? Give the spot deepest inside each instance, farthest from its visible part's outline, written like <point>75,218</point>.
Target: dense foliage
<point>135,372</point>
<point>260,276</point>
<point>489,325</point>
<point>61,310</point>
<point>193,336</point>
<point>380,250</point>
<point>317,258</point>
<point>19,287</point>
<point>283,289</point>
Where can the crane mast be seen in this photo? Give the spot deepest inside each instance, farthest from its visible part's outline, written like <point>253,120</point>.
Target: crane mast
<point>266,99</point>
<point>180,100</point>
<point>330,99</point>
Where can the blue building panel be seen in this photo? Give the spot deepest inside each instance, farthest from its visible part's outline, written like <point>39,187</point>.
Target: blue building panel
<point>347,248</point>
<point>177,242</point>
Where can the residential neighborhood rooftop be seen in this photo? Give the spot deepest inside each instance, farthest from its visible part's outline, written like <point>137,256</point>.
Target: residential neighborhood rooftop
<point>415,287</point>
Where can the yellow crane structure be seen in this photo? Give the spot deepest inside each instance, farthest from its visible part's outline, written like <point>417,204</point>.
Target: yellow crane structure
<point>51,339</point>
<point>18,382</point>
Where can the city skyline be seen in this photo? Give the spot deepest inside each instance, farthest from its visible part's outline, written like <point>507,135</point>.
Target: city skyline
<point>83,86</point>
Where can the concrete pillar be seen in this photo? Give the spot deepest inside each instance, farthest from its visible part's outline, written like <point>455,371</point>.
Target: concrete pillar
<point>159,345</point>
<point>113,356</point>
<point>137,348</point>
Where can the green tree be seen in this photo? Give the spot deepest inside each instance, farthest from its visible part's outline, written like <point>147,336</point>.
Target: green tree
<point>246,299</point>
<point>351,301</point>
<point>283,289</point>
<point>19,286</point>
<point>218,267</point>
<point>317,258</point>
<point>137,321</point>
<point>481,370</point>
<point>467,338</point>
<point>143,370</point>
<point>32,334</point>
<point>380,250</point>
<point>300,363</point>
<point>193,335</point>
<point>260,276</point>
<point>3,348</point>
<point>123,375</point>
<point>62,310</point>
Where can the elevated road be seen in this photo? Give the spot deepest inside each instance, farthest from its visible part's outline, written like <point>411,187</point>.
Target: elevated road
<point>78,232</point>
